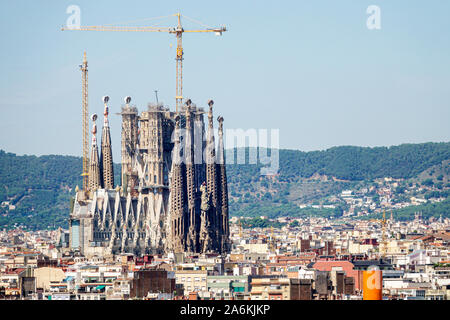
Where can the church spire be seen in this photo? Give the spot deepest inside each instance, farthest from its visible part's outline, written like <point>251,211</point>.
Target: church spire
<point>177,196</point>
<point>106,160</point>
<point>211,178</point>
<point>191,187</point>
<point>223,191</point>
<point>94,167</point>
<point>210,143</point>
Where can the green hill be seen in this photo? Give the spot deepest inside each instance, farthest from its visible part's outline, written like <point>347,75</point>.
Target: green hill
<point>314,177</point>
<point>40,187</point>
<point>356,163</point>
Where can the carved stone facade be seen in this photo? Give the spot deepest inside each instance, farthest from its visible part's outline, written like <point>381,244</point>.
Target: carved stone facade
<point>171,199</point>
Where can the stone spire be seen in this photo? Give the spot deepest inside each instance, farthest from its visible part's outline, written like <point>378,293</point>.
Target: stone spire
<point>191,186</point>
<point>199,147</point>
<point>94,166</point>
<point>106,160</point>
<point>211,177</point>
<point>154,134</point>
<point>129,142</point>
<point>177,196</point>
<point>223,191</point>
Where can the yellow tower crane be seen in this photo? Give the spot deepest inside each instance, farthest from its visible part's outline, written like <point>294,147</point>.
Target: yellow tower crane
<point>383,224</point>
<point>383,234</point>
<point>177,31</point>
<point>84,93</point>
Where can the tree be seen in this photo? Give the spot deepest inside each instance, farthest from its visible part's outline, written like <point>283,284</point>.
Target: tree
<point>294,224</point>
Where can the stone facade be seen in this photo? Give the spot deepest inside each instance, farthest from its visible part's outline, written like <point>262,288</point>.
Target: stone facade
<point>171,198</point>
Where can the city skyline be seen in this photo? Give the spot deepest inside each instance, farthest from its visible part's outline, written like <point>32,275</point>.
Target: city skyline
<point>342,194</point>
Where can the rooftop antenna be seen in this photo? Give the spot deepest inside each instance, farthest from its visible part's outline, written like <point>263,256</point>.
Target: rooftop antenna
<point>156,94</point>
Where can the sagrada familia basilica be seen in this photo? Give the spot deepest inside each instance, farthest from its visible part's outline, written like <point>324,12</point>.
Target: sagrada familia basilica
<point>173,195</point>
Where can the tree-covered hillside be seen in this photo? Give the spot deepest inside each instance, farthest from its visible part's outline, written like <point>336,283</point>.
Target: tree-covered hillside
<point>428,210</point>
<point>36,191</point>
<point>353,163</point>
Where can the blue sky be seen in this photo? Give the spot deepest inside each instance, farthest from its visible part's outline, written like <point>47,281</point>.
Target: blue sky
<point>310,68</point>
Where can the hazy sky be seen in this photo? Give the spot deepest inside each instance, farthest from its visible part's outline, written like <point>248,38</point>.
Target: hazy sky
<point>310,68</point>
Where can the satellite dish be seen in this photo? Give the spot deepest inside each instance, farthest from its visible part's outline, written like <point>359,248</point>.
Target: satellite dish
<point>105,99</point>
<point>127,99</point>
<point>94,117</point>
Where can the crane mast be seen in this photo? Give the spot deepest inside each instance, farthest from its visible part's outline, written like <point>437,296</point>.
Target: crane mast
<point>384,234</point>
<point>179,59</point>
<point>84,93</point>
<point>383,242</point>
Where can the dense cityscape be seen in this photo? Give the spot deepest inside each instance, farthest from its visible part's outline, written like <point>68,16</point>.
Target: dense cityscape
<point>226,213</point>
<point>317,259</point>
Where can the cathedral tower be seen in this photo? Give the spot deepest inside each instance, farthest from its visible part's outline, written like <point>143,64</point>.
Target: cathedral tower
<point>94,166</point>
<point>129,142</point>
<point>191,182</point>
<point>211,179</point>
<point>177,196</point>
<point>223,187</point>
<point>106,159</point>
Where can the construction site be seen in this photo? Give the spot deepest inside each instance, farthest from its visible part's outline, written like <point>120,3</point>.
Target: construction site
<point>173,194</point>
